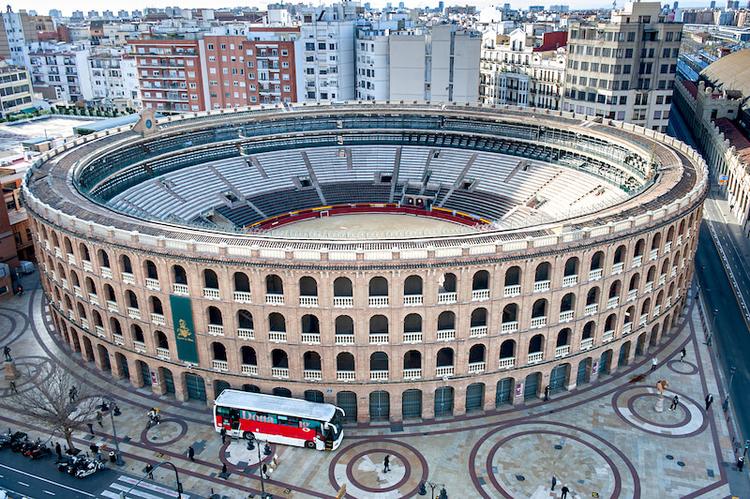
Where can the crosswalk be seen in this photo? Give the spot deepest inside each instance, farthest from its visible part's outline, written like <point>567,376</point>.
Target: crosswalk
<point>133,489</point>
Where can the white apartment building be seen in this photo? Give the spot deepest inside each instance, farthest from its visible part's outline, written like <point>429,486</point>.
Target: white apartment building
<point>108,83</point>
<point>130,82</point>
<point>15,90</point>
<point>439,64</point>
<point>325,53</point>
<point>61,72</point>
<point>372,79</point>
<point>12,41</point>
<point>513,73</point>
<point>623,69</point>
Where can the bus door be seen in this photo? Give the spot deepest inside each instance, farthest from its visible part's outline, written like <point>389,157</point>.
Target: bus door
<point>231,422</point>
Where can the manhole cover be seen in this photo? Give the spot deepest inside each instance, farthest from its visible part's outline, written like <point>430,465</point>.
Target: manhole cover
<point>680,463</point>
<point>558,447</point>
<point>520,478</point>
<point>670,456</point>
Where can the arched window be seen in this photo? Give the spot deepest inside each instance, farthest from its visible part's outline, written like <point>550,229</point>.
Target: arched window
<point>241,282</point>
<point>588,330</point>
<point>276,322</point>
<point>344,325</point>
<point>513,276</point>
<point>412,323</point>
<point>109,292</point>
<point>345,362</point>
<point>151,271</point>
<point>619,257</point>
<point>447,283</point>
<point>245,320</point>
<point>445,357</point>
<point>542,273</point>
<point>155,305</point>
<point>510,318</point>
<point>132,299</point>
<point>477,354</point>
<point>536,343</point>
<point>125,265</point>
<point>480,281</point>
<point>563,337</point>
<point>214,316</point>
<point>568,303</point>
<point>611,323</point>
<point>279,359</point>
<point>378,287</point>
<point>379,363</point>
<point>412,360</point>
<point>656,241</point>
<point>446,321</point>
<point>103,258</point>
<point>597,262</point>
<point>413,286</point>
<point>114,326</point>
<point>635,282</point>
<point>508,349</point>
<point>90,286</point>
<point>378,324</point>
<point>592,297</point>
<point>308,287</point>
<point>539,309</point>
<point>161,340</point>
<point>342,288</point>
<point>85,254</point>
<point>310,324</point>
<point>274,285</point>
<point>137,333</point>
<point>249,357</point>
<point>179,275</point>
<point>571,268</point>
<point>311,361</point>
<point>210,280</point>
<point>478,317</point>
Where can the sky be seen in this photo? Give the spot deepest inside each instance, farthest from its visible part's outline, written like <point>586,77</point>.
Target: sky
<point>68,6</point>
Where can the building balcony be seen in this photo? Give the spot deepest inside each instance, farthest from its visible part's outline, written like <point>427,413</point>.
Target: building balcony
<point>566,316</point>
<point>613,302</point>
<point>379,339</point>
<point>153,284</point>
<point>442,371</point>
<point>591,309</point>
<point>180,289</point>
<point>637,260</point>
<point>377,301</point>
<point>627,328</point>
<point>537,322</point>
<point>245,333</point>
<point>308,301</point>
<point>249,369</point>
<point>106,272</point>
<point>120,340</point>
<point>510,291</point>
<point>274,299</point>
<point>570,280</point>
<point>216,330</point>
<point>446,334</point>
<point>480,294</point>
<point>447,298</point>
<point>412,300</point>
<point>84,324</point>
<point>415,373</point>
<point>280,372</point>
<point>412,337</point>
<point>507,362</point>
<point>211,294</point>
<point>277,336</point>
<point>311,338</point>
<point>562,351</point>
<point>139,346</point>
<point>242,297</point>
<point>344,339</point>
<point>608,336</point>
<point>88,266</point>
<point>78,292</point>
<point>632,294</point>
<point>345,375</point>
<point>535,358</point>
<point>477,367</point>
<point>509,327</point>
<point>595,274</point>
<point>128,278</point>
<point>378,375</point>
<point>312,374</point>
<point>163,353</point>
<point>134,313</point>
<point>478,331</point>
<point>343,301</point>
<point>617,268</point>
<point>541,286</point>
<point>587,343</point>
<point>100,331</point>
<point>112,306</point>
<point>158,319</point>
<point>654,254</point>
<point>643,320</point>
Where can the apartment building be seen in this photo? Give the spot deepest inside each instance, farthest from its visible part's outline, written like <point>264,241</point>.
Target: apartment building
<point>516,72</point>
<point>170,74</point>
<point>60,71</point>
<point>12,42</point>
<point>108,84</point>
<point>15,90</point>
<point>372,64</point>
<point>36,26</point>
<point>439,64</point>
<point>325,53</point>
<point>623,69</point>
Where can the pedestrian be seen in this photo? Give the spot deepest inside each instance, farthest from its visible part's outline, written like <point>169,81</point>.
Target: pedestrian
<point>675,401</point>
<point>72,394</point>
<point>91,428</point>
<point>740,463</point>
<point>58,451</point>
<point>224,470</point>
<point>116,410</point>
<point>565,491</point>
<point>654,363</point>
<point>683,353</point>
<point>546,393</point>
<point>99,418</point>
<point>387,464</point>
<point>264,471</point>
<point>709,400</point>
<point>149,471</point>
<point>13,388</point>
<point>223,434</point>
<point>191,453</point>
<point>94,449</point>
<point>554,482</point>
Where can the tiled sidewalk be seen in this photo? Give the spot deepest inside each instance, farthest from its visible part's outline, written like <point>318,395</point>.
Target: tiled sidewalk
<point>603,438</point>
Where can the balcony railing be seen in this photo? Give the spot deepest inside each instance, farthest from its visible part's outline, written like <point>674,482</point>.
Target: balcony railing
<point>311,338</point>
<point>312,374</point>
<point>64,283</point>
<point>93,299</point>
<point>379,339</point>
<point>587,343</point>
<point>377,301</point>
<point>88,266</point>
<point>538,322</point>
<point>277,336</point>
<point>106,272</point>
<point>415,373</point>
<point>447,298</point>
<point>657,310</point>
<point>608,336</point>
<point>244,333</point>
<point>674,271</point>
<point>343,301</point>
<point>158,319</point>
<point>535,358</point>
<point>153,284</point>
<point>139,346</point>
<point>100,331</point>
<point>617,268</point>
<point>120,340</point>
<point>242,297</point>
<point>477,367</point>
<point>480,294</point>
<point>591,309</point>
<point>570,280</point>
<point>566,316</point>
<point>84,324</point>
<point>509,327</point>
<point>274,299</point>
<point>211,293</point>
<point>180,289</point>
<point>112,306</point>
<point>441,371</point>
<point>613,302</point>
<point>667,246</point>
<point>446,334</point>
<point>249,369</point>
<point>412,337</point>
<point>595,274</point>
<point>643,320</point>
<point>71,259</point>
<point>627,328</point>
<point>514,290</point>
<point>378,375</point>
<point>344,339</point>
<point>637,260</point>
<point>541,286</point>
<point>648,287</point>
<point>662,279</point>
<point>562,351</point>
<point>412,300</point>
<point>58,252</point>
<point>134,313</point>
<point>162,353</point>
<point>280,372</point>
<point>507,362</point>
<point>478,331</point>
<point>654,254</point>
<point>632,294</point>
<point>216,330</point>
<point>345,375</point>
<point>308,301</point>
<point>128,278</point>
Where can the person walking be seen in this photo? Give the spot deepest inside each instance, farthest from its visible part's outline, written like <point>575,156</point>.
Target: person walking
<point>149,471</point>
<point>58,451</point>
<point>675,402</point>
<point>223,434</point>
<point>99,418</point>
<point>740,463</point>
<point>91,428</point>
<point>13,388</point>
<point>546,393</point>
<point>224,473</point>
<point>72,394</point>
<point>564,491</point>
<point>191,453</point>
<point>654,363</point>
<point>709,400</point>
<point>387,464</point>
<point>554,482</point>
<point>264,470</point>
<point>683,353</point>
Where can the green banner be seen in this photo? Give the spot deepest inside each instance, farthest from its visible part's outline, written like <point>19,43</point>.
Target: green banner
<point>184,331</point>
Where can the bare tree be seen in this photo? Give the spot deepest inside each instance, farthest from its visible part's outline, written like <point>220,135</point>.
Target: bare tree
<point>49,403</point>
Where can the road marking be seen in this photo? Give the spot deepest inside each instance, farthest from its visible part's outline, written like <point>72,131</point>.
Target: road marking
<point>48,492</point>
<point>23,483</point>
<point>132,491</point>
<point>47,481</point>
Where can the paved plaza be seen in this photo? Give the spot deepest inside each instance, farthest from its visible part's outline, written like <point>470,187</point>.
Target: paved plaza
<point>603,439</point>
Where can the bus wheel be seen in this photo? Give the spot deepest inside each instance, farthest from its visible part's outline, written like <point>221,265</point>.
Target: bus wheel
<point>248,435</point>
<point>310,444</point>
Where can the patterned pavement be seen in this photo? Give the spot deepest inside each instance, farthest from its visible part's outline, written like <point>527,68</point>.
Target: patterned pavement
<point>601,440</point>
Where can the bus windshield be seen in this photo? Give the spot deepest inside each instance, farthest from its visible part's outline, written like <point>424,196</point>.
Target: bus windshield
<point>337,424</point>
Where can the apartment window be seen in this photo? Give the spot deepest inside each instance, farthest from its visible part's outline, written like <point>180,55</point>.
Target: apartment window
<point>628,53</point>
<point>321,46</point>
<point>223,46</point>
<point>284,64</point>
<point>626,68</point>
<point>665,52</point>
<point>631,36</point>
<point>660,99</point>
<point>284,52</point>
<point>669,35</point>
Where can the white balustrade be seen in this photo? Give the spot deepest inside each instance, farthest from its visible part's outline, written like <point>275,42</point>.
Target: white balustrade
<point>379,339</point>
<point>480,295</point>
<point>139,346</point>
<point>308,301</point>
<point>643,320</point>
<point>667,246</point>
<point>537,322</point>
<point>128,278</point>
<point>648,287</point>
<point>477,367</point>
<point>100,331</point>
<point>662,279</point>
<point>344,339</point>
<point>343,301</point>
<point>595,274</point>
<point>84,324</point>
<point>112,306</point>
<point>120,340</point>
<point>446,334</point>
<point>627,328</point>
<point>613,302</point>
<point>657,310</point>
<point>158,319</point>
<point>88,266</point>
<point>274,299</point>
<point>378,375</point>
<point>587,343</point>
<point>249,369</point>
<point>180,289</point>
<point>134,313</point>
<point>280,372</point>
<point>507,362</point>
<point>478,331</point>
<point>617,268</point>
<point>71,259</point>
<point>540,286</point>
<point>211,294</point>
<point>242,297</point>
<point>377,301</point>
<point>570,280</point>
<point>277,336</point>
<point>412,300</point>
<point>447,297</point>
<point>345,375</point>
<point>562,351</point>
<point>535,358</point>
<point>566,316</point>
<point>654,254</point>
<point>637,260</point>
<point>413,337</point>
<point>513,290</point>
<point>93,299</point>
<point>162,353</point>
<point>245,333</point>
<point>608,336</point>
<point>415,373</point>
<point>153,284</point>
<point>216,330</point>
<point>77,291</point>
<point>312,374</point>
<point>441,371</point>
<point>106,272</point>
<point>591,309</point>
<point>311,339</point>
<point>64,283</point>
<point>509,327</point>
<point>674,271</point>
<point>632,294</point>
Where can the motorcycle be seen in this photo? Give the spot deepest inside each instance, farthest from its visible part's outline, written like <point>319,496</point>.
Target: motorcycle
<point>38,450</point>
<point>19,445</point>
<point>69,464</point>
<point>8,439</point>
<point>88,467</point>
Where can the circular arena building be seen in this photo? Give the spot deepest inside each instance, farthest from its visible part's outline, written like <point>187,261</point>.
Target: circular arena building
<point>402,261</point>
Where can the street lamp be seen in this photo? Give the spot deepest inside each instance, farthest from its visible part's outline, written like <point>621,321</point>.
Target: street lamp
<point>124,494</point>
<point>118,455</point>
<point>251,443</point>
<point>433,485</point>
<point>713,327</point>
<point>725,404</point>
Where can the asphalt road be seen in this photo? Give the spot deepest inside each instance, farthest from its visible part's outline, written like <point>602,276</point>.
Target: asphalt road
<point>40,479</point>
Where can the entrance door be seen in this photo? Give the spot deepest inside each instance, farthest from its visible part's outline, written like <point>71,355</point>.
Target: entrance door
<point>444,401</point>
<point>531,387</point>
<point>584,372</point>
<point>145,372</point>
<point>475,397</point>
<point>504,391</point>
<point>380,406</point>
<point>558,378</point>
<point>196,388</point>
<point>314,396</point>
<point>411,404</point>
<point>166,375</point>
<point>604,362</point>
<point>348,402</point>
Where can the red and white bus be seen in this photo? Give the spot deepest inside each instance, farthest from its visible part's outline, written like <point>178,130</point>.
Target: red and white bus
<point>279,420</point>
